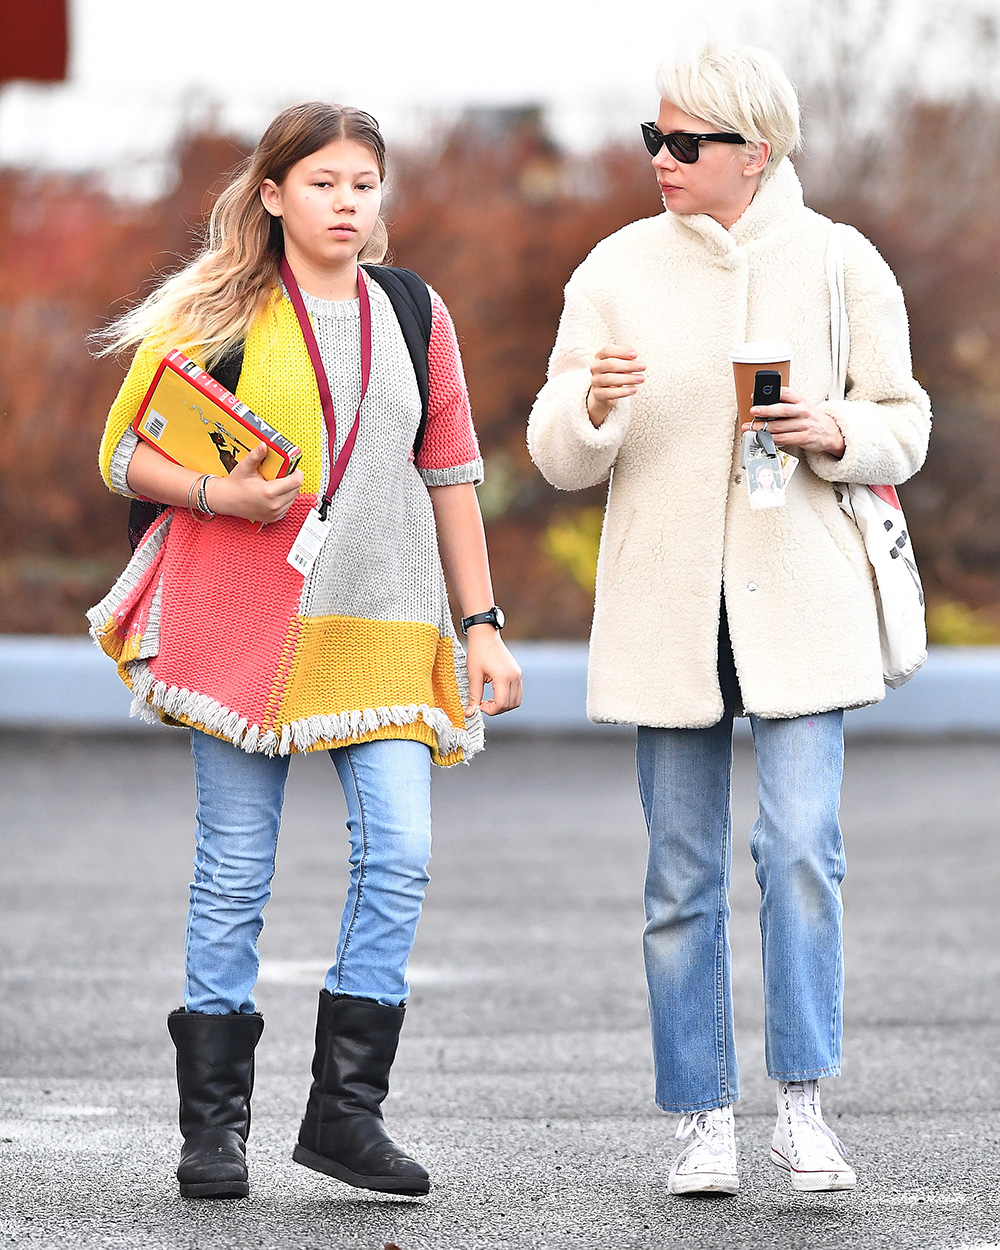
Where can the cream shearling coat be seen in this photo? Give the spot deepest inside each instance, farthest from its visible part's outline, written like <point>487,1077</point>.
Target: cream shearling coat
<point>684,291</point>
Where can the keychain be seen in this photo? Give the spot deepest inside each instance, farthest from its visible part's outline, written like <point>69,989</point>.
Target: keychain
<point>762,467</point>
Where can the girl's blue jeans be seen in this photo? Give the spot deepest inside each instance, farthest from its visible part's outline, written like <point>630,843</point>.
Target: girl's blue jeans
<point>387,787</point>
<point>796,843</point>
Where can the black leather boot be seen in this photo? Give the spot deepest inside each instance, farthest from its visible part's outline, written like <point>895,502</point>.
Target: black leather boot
<point>342,1133</point>
<point>214,1080</point>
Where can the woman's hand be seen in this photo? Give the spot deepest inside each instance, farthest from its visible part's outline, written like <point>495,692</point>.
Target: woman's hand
<point>245,493</point>
<point>792,423</point>
<point>616,371</point>
<point>489,661</point>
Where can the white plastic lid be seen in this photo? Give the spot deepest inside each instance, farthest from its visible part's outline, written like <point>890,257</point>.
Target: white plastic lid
<point>760,353</point>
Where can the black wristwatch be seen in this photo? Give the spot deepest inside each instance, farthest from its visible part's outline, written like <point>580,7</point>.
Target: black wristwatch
<point>494,617</point>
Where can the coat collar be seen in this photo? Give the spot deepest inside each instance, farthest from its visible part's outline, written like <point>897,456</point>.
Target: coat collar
<point>778,199</point>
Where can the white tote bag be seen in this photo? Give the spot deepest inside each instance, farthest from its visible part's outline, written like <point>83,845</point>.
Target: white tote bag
<point>878,515</point>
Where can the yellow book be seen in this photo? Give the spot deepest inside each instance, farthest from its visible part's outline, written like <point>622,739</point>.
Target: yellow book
<point>197,423</point>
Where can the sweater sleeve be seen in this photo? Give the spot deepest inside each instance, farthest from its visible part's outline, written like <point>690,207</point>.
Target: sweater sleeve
<point>118,441</point>
<point>449,454</point>
<point>569,450</point>
<point>886,416</point>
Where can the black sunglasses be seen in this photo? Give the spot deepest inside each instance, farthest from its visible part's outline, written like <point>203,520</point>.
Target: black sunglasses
<point>681,145</point>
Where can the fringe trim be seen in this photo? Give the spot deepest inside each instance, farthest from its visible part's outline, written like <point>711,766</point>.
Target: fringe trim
<point>301,735</point>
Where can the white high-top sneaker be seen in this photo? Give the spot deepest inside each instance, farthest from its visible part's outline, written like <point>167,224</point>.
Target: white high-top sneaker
<point>708,1164</point>
<point>804,1145</point>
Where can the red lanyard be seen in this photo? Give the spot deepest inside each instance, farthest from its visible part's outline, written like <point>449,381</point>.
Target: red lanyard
<point>322,382</point>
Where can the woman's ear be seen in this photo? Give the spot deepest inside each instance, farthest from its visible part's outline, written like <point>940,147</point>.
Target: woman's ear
<point>757,157</point>
<point>270,197</point>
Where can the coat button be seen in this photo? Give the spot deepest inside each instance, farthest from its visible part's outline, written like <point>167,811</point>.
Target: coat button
<point>738,478</point>
<point>751,586</point>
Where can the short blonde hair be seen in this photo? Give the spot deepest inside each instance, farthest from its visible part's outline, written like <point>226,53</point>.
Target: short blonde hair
<point>744,91</point>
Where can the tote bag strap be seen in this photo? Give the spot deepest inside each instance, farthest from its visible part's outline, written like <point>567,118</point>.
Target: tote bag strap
<point>840,330</point>
<point>840,335</point>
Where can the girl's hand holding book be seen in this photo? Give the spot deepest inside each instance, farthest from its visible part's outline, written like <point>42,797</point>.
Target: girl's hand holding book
<point>246,494</point>
<point>243,493</point>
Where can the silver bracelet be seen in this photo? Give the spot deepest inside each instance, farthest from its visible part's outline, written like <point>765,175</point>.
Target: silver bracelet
<point>203,500</point>
<point>191,489</point>
<point>200,511</point>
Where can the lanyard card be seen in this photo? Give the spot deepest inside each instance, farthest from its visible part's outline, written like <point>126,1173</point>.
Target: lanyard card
<point>762,470</point>
<point>308,543</point>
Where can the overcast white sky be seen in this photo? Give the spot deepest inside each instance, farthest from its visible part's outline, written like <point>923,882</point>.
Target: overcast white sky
<point>141,68</point>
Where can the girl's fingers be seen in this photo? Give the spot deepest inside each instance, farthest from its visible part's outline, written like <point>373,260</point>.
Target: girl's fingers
<point>477,680</point>
<point>509,693</point>
<point>247,467</point>
<point>506,696</point>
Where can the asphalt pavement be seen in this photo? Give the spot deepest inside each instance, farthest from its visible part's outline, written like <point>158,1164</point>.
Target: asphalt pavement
<point>524,1075</point>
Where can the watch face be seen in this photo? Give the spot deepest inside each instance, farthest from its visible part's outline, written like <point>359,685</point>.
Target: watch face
<point>500,618</point>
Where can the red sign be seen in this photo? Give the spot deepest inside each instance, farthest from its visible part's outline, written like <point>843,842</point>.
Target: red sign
<point>34,43</point>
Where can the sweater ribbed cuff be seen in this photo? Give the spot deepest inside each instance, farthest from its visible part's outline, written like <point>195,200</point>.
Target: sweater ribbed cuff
<point>455,475</point>
<point>121,458</point>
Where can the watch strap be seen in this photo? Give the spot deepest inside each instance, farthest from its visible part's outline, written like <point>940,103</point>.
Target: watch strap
<point>491,617</point>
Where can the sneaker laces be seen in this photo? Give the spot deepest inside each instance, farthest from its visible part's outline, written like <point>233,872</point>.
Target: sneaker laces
<point>710,1131</point>
<point>806,1106</point>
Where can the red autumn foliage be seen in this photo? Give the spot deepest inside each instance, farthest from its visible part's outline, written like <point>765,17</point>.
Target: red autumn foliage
<point>496,219</point>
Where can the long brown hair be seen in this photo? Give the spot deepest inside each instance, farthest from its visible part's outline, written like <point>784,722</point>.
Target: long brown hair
<point>211,303</point>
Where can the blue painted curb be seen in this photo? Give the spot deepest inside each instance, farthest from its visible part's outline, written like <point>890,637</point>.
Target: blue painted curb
<point>956,692</point>
<point>68,683</point>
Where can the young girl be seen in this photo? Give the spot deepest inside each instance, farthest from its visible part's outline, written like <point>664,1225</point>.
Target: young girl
<point>214,629</point>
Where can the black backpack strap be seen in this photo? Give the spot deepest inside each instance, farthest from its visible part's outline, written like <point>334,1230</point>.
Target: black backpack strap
<point>411,302</point>
<point>143,513</point>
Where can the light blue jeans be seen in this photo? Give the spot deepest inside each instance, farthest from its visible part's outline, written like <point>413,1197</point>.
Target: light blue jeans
<point>797,846</point>
<point>387,787</point>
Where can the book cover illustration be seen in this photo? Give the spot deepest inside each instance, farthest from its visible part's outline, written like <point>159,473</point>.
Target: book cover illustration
<point>197,423</point>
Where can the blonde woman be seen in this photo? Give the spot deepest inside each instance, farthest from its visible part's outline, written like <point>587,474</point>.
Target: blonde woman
<point>706,608</point>
<point>214,629</point>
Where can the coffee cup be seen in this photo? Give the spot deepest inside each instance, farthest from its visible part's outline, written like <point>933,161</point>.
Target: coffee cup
<point>747,358</point>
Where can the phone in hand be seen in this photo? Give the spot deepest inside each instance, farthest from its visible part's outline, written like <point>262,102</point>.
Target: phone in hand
<point>766,388</point>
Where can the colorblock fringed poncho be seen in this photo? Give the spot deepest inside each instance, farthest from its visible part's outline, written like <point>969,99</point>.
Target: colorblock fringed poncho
<point>209,624</point>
